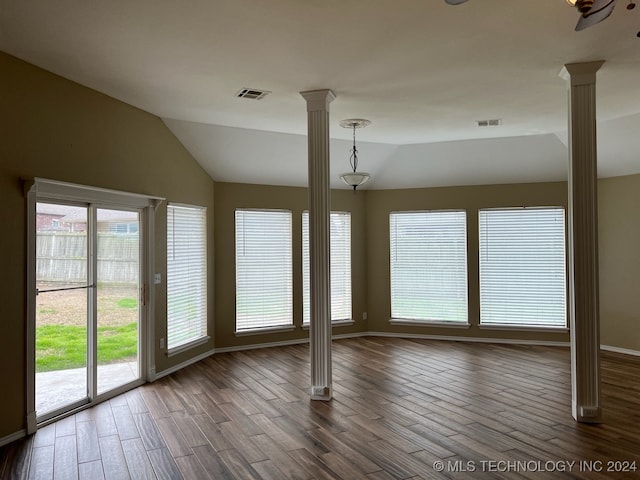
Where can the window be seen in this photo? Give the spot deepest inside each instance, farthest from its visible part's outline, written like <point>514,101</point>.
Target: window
<point>429,266</point>
<point>186,275</point>
<point>264,282</point>
<point>340,267</point>
<point>522,267</point>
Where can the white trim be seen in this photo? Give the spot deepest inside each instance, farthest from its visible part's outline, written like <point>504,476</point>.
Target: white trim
<point>285,343</point>
<point>188,346</point>
<point>13,437</point>
<point>254,346</point>
<point>513,341</point>
<point>186,205</point>
<point>524,328</point>
<point>337,323</point>
<point>148,315</point>
<point>22,433</point>
<point>182,365</point>
<point>71,191</point>
<point>187,226</point>
<point>40,189</point>
<point>265,330</point>
<point>624,351</point>
<point>428,323</point>
<point>342,323</point>
<point>30,350</point>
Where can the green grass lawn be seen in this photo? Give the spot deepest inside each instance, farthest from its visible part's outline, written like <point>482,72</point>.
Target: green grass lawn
<point>59,347</point>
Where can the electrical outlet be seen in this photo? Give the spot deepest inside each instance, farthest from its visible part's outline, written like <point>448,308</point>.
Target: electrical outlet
<point>162,343</point>
<point>364,315</point>
<point>157,279</point>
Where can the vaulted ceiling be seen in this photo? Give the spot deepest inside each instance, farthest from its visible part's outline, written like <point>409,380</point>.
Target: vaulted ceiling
<point>422,71</point>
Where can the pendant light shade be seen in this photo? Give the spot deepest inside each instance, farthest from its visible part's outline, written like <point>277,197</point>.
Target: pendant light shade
<point>354,178</point>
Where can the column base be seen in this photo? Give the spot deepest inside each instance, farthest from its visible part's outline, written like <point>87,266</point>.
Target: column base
<point>321,393</point>
<point>586,414</point>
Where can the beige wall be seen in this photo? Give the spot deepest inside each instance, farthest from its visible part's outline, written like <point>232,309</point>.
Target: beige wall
<point>619,252</point>
<point>229,197</point>
<point>470,198</point>
<point>54,128</point>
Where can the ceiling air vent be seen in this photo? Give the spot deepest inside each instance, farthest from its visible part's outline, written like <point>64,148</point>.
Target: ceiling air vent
<point>252,93</point>
<point>489,123</point>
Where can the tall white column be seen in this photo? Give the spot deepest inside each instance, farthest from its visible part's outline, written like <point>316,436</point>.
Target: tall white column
<point>319,215</point>
<point>583,241</point>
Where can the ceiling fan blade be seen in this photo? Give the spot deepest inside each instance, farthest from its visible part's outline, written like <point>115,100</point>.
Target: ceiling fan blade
<point>455,2</point>
<point>601,9</point>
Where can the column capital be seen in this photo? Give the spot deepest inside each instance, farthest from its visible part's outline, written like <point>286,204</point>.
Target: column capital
<point>581,73</point>
<point>318,99</point>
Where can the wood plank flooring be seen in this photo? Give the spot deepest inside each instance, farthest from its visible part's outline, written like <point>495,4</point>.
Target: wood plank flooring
<point>485,410</point>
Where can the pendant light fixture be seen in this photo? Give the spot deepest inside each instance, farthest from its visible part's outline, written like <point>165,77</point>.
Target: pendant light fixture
<point>354,179</point>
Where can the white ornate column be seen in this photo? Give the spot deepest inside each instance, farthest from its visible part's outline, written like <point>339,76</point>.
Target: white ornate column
<point>583,241</point>
<point>319,248</point>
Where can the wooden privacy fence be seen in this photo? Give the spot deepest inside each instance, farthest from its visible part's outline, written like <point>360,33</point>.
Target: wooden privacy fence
<point>62,257</point>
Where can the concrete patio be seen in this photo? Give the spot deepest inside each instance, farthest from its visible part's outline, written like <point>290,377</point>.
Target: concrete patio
<point>56,389</point>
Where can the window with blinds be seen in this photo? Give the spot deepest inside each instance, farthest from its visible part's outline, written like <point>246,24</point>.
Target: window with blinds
<point>264,278</point>
<point>340,256</point>
<point>522,267</point>
<point>428,253</point>
<point>186,275</point>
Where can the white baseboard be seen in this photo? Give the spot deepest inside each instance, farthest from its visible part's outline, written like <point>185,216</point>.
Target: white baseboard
<point>512,341</point>
<point>13,437</point>
<point>255,346</point>
<point>624,351</point>
<point>299,341</point>
<point>22,433</point>
<point>285,343</point>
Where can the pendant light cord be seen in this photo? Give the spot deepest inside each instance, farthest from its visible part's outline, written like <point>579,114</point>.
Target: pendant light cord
<point>353,160</point>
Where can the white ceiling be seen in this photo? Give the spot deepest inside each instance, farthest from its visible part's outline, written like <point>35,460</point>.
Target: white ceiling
<point>422,71</point>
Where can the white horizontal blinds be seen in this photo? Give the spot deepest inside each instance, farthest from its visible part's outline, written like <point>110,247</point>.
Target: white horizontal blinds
<point>522,267</point>
<point>429,265</point>
<point>340,267</point>
<point>186,274</point>
<point>264,278</point>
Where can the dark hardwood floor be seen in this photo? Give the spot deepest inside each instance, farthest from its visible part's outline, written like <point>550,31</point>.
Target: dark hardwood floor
<point>400,406</point>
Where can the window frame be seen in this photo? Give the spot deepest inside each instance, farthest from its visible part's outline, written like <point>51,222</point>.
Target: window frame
<point>288,323</point>
<point>495,325</point>
<point>399,319</point>
<point>202,300</point>
<point>306,286</point>
<point>39,189</point>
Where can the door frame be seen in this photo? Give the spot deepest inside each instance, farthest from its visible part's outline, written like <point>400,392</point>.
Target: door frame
<point>39,189</point>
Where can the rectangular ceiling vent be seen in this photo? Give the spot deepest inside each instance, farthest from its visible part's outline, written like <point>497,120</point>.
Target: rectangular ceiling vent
<point>489,123</point>
<point>252,93</point>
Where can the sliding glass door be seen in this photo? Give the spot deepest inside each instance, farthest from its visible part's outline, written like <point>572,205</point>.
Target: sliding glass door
<point>62,306</point>
<point>88,294</point>
<point>117,298</point>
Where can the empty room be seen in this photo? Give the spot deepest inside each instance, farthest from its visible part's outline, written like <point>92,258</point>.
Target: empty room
<point>357,239</point>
